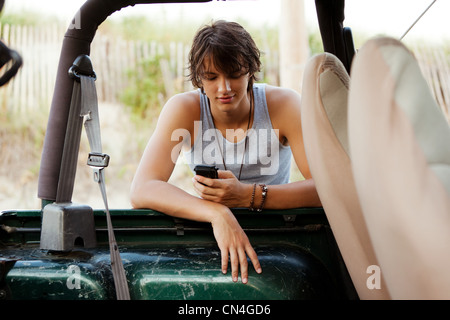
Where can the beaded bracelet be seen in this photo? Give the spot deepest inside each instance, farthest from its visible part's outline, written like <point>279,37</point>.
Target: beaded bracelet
<point>264,190</point>
<point>253,198</point>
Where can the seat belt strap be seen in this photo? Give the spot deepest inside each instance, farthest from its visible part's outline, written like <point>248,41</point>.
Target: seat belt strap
<point>99,161</point>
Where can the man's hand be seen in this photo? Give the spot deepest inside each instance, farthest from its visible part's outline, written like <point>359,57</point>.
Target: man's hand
<point>226,190</point>
<point>234,243</point>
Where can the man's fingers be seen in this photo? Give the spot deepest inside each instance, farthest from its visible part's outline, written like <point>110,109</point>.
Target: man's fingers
<point>234,261</point>
<point>244,266</point>
<point>238,261</point>
<point>224,255</point>
<point>201,186</point>
<point>225,174</point>
<point>254,259</point>
<point>209,182</point>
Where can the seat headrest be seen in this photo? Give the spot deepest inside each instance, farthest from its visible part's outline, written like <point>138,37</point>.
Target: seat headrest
<point>413,97</point>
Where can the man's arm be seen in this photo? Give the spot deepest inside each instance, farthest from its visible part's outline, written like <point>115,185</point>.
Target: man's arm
<point>150,189</point>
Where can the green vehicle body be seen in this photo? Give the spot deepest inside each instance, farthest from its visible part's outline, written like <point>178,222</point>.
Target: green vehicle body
<point>166,258</point>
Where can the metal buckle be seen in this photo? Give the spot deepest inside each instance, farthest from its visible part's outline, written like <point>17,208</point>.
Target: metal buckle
<point>98,160</point>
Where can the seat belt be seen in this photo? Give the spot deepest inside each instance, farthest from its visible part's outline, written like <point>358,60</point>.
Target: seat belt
<point>98,161</point>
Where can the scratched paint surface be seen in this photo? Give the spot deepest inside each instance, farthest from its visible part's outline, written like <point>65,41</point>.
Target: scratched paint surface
<point>166,273</point>
<point>171,259</point>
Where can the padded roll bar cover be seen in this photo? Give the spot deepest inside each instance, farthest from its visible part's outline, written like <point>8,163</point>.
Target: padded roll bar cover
<point>324,123</point>
<point>400,148</point>
<point>77,41</point>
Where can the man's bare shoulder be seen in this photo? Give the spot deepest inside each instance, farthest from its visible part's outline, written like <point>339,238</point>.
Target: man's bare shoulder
<point>180,112</point>
<point>186,102</point>
<point>282,103</point>
<point>279,95</point>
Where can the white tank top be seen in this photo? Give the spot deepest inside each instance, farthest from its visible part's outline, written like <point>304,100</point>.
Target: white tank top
<point>266,160</point>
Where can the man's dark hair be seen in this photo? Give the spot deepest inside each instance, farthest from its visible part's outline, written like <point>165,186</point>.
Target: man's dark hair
<point>231,49</point>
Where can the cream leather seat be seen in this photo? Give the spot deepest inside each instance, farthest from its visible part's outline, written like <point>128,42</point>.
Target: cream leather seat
<point>400,149</point>
<point>324,123</point>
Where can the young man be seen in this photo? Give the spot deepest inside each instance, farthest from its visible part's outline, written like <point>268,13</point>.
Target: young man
<point>247,130</point>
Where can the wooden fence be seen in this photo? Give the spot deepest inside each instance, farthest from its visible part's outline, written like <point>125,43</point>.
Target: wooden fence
<point>435,66</point>
<point>112,57</point>
<point>40,49</point>
<point>33,85</point>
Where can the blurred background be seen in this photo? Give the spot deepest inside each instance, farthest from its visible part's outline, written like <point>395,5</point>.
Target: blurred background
<point>139,55</point>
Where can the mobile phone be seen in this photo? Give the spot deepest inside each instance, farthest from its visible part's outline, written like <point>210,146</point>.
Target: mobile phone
<point>208,171</point>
